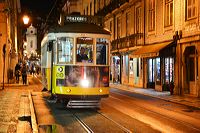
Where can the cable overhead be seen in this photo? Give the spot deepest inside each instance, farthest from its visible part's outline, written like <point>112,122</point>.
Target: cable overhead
<point>50,12</point>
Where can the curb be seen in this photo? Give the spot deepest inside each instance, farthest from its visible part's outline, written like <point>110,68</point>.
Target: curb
<point>33,118</point>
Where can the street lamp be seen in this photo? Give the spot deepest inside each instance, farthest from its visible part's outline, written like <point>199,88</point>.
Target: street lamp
<point>25,19</point>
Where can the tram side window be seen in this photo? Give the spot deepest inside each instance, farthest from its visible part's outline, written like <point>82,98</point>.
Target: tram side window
<point>44,55</point>
<point>65,49</point>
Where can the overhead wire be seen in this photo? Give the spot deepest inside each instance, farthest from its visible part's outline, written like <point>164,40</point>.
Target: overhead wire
<point>50,12</point>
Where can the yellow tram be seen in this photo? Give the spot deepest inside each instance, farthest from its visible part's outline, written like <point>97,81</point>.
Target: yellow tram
<point>75,62</point>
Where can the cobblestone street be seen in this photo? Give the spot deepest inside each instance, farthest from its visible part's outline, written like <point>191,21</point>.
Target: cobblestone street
<point>12,112</point>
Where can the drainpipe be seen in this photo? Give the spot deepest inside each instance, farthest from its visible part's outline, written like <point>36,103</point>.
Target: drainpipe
<point>143,61</point>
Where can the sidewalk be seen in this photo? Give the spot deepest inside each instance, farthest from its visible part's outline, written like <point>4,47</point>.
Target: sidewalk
<point>15,109</point>
<point>165,95</point>
<point>18,84</point>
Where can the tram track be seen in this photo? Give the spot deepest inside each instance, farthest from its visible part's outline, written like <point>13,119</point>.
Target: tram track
<point>120,126</point>
<point>159,113</point>
<point>82,123</point>
<point>91,129</point>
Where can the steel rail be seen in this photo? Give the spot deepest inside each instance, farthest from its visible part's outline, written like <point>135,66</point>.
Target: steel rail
<point>119,125</point>
<point>82,123</point>
<point>163,116</point>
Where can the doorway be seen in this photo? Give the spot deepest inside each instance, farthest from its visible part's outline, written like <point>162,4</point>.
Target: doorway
<point>191,70</point>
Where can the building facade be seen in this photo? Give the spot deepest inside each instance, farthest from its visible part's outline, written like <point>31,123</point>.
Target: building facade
<point>9,10</point>
<point>155,43</point>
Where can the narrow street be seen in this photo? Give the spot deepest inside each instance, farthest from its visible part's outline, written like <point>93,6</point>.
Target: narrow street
<point>121,112</point>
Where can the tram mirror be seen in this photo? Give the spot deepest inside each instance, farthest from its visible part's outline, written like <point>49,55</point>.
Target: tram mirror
<point>50,46</point>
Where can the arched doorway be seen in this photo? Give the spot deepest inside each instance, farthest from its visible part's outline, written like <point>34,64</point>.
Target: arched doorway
<point>190,70</point>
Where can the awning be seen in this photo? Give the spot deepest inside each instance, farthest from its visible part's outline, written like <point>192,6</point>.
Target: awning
<point>150,50</point>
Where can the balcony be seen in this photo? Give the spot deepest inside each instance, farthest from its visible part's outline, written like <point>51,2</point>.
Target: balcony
<point>110,7</point>
<point>127,42</point>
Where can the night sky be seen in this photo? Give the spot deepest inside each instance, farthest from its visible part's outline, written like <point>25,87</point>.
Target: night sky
<point>40,7</point>
<point>39,10</point>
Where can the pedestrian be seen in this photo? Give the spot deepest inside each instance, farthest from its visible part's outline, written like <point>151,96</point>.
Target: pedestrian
<point>24,74</point>
<point>33,69</point>
<point>17,72</point>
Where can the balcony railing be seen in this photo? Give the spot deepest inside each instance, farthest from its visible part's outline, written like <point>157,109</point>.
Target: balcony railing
<point>111,6</point>
<point>127,42</point>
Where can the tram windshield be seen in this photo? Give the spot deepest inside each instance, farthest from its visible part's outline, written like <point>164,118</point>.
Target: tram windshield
<point>84,49</point>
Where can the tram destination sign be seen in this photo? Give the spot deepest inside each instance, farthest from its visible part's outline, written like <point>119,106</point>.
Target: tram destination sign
<point>83,19</point>
<point>76,19</point>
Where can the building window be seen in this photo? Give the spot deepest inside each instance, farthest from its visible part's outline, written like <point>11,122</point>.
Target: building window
<point>127,24</point>
<point>87,10</point>
<point>151,15</point>
<point>118,27</point>
<point>138,20</point>
<point>110,26</point>
<point>31,43</point>
<point>99,4</point>
<point>168,12</point>
<point>138,68</point>
<point>191,11</point>
<point>94,4</point>
<point>90,8</point>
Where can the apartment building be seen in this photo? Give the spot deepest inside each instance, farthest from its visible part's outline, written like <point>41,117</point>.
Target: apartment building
<point>155,43</point>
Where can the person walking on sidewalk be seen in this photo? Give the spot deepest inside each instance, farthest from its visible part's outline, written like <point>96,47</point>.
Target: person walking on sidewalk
<point>17,72</point>
<point>24,74</point>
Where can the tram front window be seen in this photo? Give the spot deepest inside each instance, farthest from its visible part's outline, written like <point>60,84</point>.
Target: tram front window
<point>84,51</point>
<point>65,50</point>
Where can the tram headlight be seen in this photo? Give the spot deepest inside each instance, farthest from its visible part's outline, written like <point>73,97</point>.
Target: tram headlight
<point>68,90</point>
<point>100,90</point>
<point>85,83</point>
<point>60,69</point>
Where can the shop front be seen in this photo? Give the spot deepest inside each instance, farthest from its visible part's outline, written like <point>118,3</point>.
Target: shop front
<point>115,74</point>
<point>159,60</point>
<point>190,70</point>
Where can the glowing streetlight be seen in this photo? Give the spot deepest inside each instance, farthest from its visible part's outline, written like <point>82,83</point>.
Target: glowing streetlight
<point>25,19</point>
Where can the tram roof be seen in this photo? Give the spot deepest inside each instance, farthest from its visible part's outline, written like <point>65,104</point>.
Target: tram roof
<point>78,28</point>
